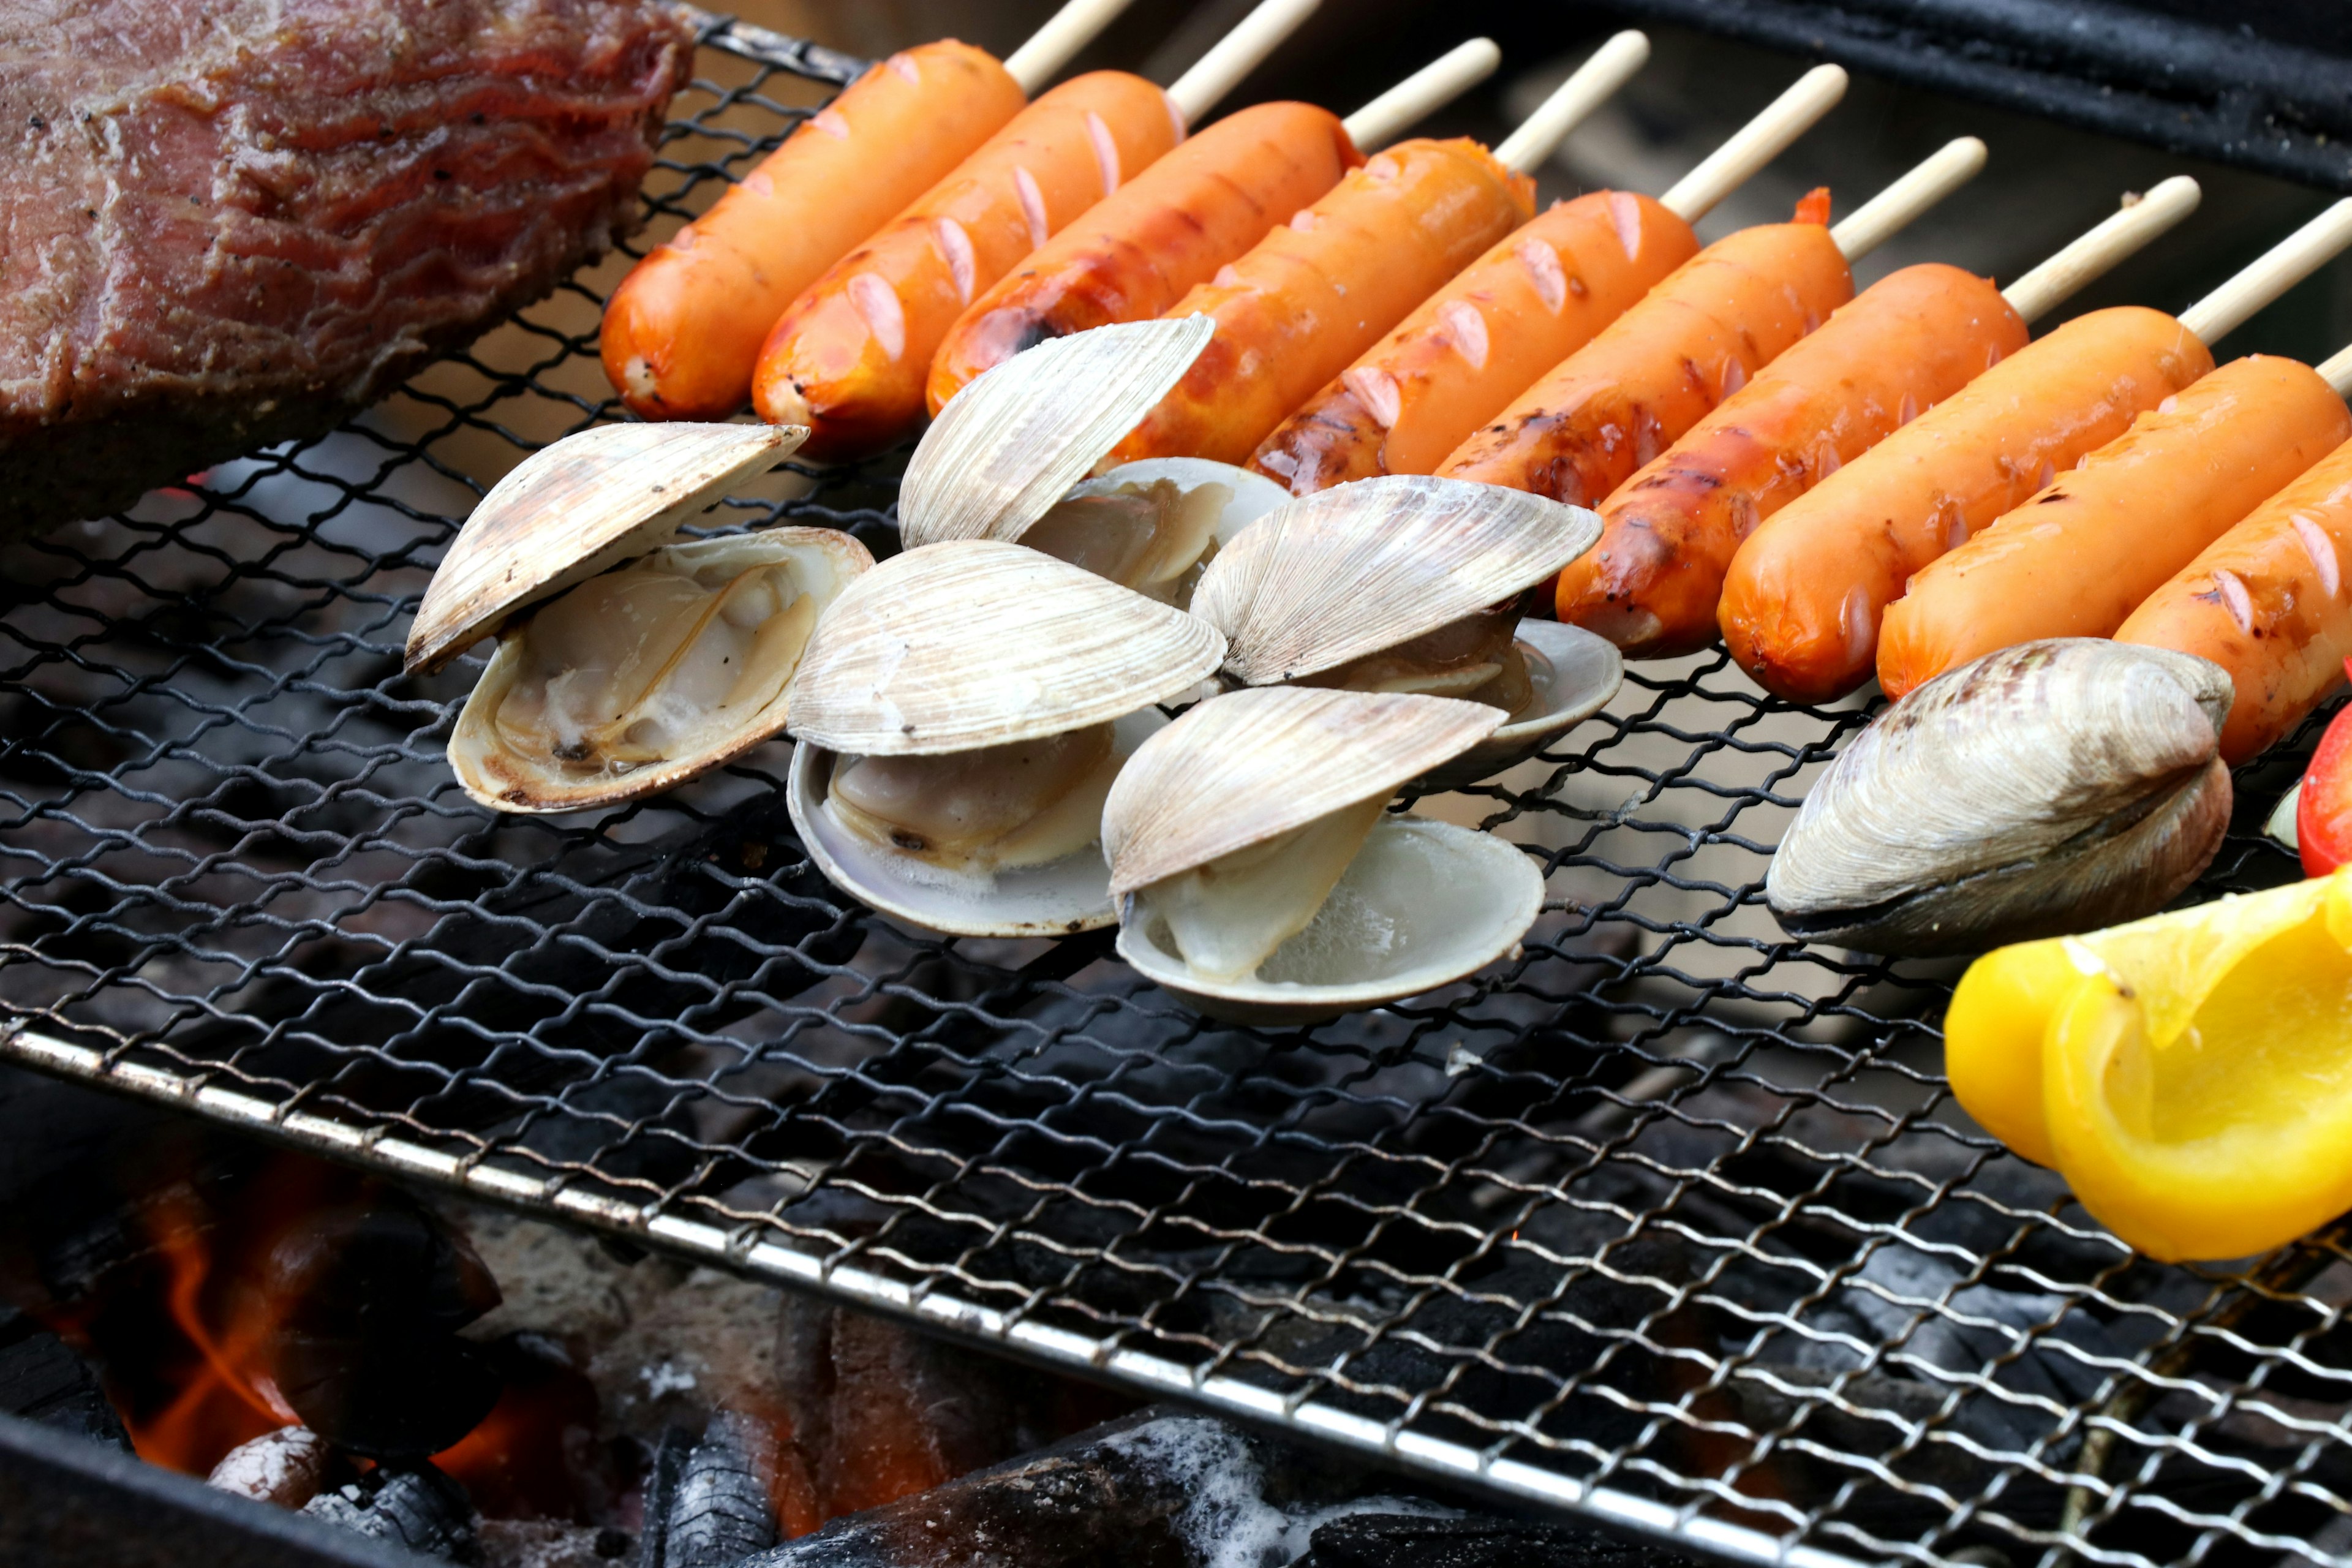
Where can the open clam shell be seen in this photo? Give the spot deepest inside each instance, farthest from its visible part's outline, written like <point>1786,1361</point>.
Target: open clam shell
<point>639,680</point>
<point>1417,905</point>
<point>2052,788</point>
<point>573,510</point>
<point>1013,442</point>
<point>1151,525</point>
<point>1574,672</point>
<point>1362,567</point>
<point>973,643</point>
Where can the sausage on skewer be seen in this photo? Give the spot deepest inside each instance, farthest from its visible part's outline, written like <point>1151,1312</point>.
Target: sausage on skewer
<point>1802,603</point>
<point>1138,250</point>
<point>850,354</point>
<point>1523,307</point>
<point>684,328</point>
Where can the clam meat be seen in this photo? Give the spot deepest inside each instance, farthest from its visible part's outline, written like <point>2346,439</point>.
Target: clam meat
<point>1153,525</point>
<point>1261,878</point>
<point>2048,788</point>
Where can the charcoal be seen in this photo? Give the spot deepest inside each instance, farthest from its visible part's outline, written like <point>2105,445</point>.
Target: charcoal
<point>412,1505</point>
<point>720,1511</point>
<point>42,1379</point>
<point>1158,1489</point>
<point>287,1468</point>
<point>662,1473</point>
<point>1407,1541</point>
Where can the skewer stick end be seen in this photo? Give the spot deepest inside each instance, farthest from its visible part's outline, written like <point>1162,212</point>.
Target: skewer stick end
<point>1422,93</point>
<point>2272,274</point>
<point>1057,43</point>
<point>1587,87</point>
<point>1896,207</point>
<point>1756,144</point>
<point>2098,250</point>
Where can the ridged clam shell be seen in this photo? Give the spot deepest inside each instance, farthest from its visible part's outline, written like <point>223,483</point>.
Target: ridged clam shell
<point>1360,567</point>
<point>1241,768</point>
<point>1013,442</point>
<point>2052,788</point>
<point>505,780</point>
<point>974,643</point>
<point>573,509</point>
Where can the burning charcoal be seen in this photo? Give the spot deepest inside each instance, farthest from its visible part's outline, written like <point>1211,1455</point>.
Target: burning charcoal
<point>720,1513</point>
<point>368,1298</point>
<point>286,1466</point>
<point>1408,1540</point>
<point>1160,1490</point>
<point>418,1508</point>
<point>41,1379</point>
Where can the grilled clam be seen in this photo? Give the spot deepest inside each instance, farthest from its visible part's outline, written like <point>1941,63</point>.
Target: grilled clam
<point>625,664</point>
<point>1260,878</point>
<point>2051,787</point>
<point>1002,457</point>
<point>961,714</point>
<point>1412,584</point>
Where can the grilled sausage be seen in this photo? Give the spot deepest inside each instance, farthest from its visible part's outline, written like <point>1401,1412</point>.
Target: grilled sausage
<point>2268,601</point>
<point>1904,344</point>
<point>1654,373</point>
<point>683,328</point>
<point>2075,560</point>
<point>1801,602</point>
<point>848,358</point>
<point>1135,252</point>
<point>1479,342</point>
<point>1321,288</point>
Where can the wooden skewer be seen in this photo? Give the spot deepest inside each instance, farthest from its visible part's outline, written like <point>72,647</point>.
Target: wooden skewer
<point>1422,94</point>
<point>1232,58</point>
<point>2046,286</point>
<point>1756,144</point>
<point>2336,369</point>
<point>1590,85</point>
<point>1057,43</point>
<point>2272,274</point>
<point>1896,207</point>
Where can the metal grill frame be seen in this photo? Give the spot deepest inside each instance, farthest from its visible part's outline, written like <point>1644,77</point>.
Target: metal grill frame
<point>1703,999</point>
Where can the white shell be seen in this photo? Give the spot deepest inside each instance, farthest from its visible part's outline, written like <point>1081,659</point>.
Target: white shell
<point>2051,787</point>
<point>2280,824</point>
<point>1058,899</point>
<point>491,773</point>
<point>973,643</point>
<point>1242,768</point>
<point>1014,440</point>
<point>1254,495</point>
<point>1453,900</point>
<point>1330,577</point>
<point>573,509</point>
<point>1574,672</point>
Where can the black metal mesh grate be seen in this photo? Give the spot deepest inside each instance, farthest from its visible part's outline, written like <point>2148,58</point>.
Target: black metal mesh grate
<point>1669,1220</point>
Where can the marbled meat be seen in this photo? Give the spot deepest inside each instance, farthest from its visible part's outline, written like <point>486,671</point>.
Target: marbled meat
<point>228,222</point>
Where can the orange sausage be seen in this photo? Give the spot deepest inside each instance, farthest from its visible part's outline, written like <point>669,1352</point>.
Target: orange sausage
<point>2074,559</point>
<point>1479,342</point>
<point>683,328</point>
<point>1656,371</point>
<point>848,357</point>
<point>2267,602</point>
<point>1905,343</point>
<point>1320,290</point>
<point>1137,251</point>
<point>1801,602</point>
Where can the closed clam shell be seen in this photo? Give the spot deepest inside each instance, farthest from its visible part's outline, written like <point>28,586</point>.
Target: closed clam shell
<point>571,510</point>
<point>1013,442</point>
<point>1246,766</point>
<point>975,643</point>
<point>1360,567</point>
<point>2052,788</point>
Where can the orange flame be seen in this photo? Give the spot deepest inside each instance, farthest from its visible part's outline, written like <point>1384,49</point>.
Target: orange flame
<point>227,1398</point>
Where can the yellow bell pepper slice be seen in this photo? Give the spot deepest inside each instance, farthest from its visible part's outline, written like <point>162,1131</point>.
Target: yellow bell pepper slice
<point>2190,1075</point>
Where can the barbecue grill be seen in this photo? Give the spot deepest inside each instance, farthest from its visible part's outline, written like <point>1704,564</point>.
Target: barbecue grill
<point>1669,1222</point>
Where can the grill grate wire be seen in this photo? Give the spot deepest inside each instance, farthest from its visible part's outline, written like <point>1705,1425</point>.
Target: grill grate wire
<point>1669,1221</point>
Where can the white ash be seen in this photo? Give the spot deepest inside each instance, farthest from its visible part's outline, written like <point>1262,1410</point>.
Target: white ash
<point>285,1466</point>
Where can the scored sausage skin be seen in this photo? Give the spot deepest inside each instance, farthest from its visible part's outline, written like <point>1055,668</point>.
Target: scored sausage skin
<point>2271,601</point>
<point>2077,559</point>
<point>1903,345</point>
<point>1470,348</point>
<point>849,356</point>
<point>1655,372</point>
<point>683,330</point>
<point>1321,288</point>
<point>1139,250</point>
<point>1802,600</point>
